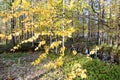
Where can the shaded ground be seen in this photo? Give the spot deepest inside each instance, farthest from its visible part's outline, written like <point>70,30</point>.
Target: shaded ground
<point>18,66</point>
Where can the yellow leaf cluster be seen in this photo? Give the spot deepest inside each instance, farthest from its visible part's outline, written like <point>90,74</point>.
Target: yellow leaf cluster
<point>27,19</point>
<point>15,4</point>
<point>46,33</point>
<point>50,4</point>
<point>46,49</point>
<point>40,44</point>
<point>26,41</point>
<point>26,4</point>
<point>38,60</point>
<point>55,64</point>
<point>15,48</point>
<point>6,17</point>
<point>16,34</point>
<point>68,21</point>
<point>59,62</point>
<point>67,32</point>
<point>50,66</point>
<point>2,36</point>
<point>62,50</point>
<point>71,4</point>
<point>77,71</point>
<point>18,14</point>
<point>9,37</point>
<point>93,51</point>
<point>55,44</point>
<point>74,52</point>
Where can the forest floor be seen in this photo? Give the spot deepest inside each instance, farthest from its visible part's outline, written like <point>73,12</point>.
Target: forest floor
<point>17,66</point>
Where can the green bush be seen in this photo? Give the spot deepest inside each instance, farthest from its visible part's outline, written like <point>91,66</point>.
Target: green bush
<point>5,48</point>
<point>102,71</point>
<point>26,47</point>
<point>96,69</point>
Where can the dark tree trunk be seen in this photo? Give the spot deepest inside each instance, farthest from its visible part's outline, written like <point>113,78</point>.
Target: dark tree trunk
<point>12,27</point>
<point>21,24</point>
<point>83,26</point>
<point>98,33</point>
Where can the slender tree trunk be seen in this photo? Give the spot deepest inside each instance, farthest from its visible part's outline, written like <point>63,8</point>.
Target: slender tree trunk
<point>88,33</point>
<point>73,38</point>
<point>98,33</point>
<point>21,24</point>
<point>32,25</point>
<point>56,50</point>
<point>6,41</point>
<point>12,26</point>
<point>118,28</point>
<point>83,26</point>
<point>102,14</point>
<point>63,37</point>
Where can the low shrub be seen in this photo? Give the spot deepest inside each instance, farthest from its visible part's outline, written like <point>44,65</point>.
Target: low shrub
<point>96,69</point>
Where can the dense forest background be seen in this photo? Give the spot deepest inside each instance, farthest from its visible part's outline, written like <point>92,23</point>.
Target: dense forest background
<point>73,27</point>
<point>94,21</point>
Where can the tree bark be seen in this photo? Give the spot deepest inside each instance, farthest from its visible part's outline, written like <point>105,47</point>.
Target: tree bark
<point>12,26</point>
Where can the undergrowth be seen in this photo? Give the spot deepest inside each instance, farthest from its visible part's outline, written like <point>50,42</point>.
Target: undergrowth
<point>96,69</point>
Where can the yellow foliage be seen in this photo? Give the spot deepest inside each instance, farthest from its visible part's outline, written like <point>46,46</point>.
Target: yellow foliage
<point>59,62</point>
<point>40,44</point>
<point>16,34</point>
<point>55,44</point>
<point>83,75</point>
<point>2,36</point>
<point>50,65</point>
<point>71,4</point>
<point>93,51</point>
<point>16,3</point>
<point>74,52</point>
<point>6,17</point>
<point>38,60</point>
<point>77,71</point>
<point>62,50</point>
<point>26,4</point>
<point>27,19</point>
<point>50,4</point>
<point>15,47</point>
<point>55,64</point>
<point>68,32</point>
<point>46,49</point>
<point>69,21</point>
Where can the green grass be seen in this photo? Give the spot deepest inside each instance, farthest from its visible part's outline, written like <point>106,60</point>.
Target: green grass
<point>96,69</point>
<point>11,56</point>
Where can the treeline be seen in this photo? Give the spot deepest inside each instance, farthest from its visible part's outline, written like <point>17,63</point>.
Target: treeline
<point>92,21</point>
